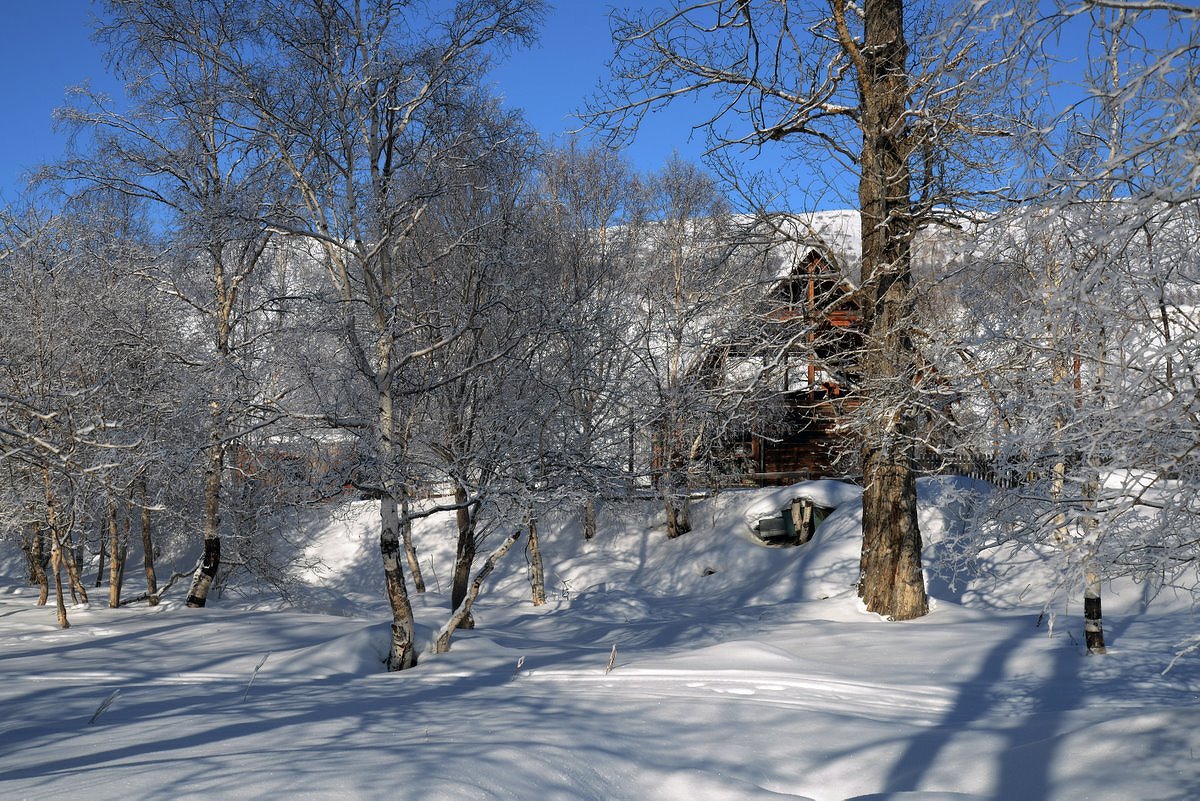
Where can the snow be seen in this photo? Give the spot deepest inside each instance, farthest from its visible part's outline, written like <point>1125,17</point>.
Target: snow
<point>742,672</point>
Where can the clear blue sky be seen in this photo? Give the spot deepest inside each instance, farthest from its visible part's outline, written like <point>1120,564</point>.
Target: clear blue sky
<point>45,47</point>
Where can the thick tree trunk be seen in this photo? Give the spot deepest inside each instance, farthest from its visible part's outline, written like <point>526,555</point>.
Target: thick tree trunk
<point>148,544</point>
<point>891,582</point>
<point>410,550</point>
<point>537,576</point>
<point>206,573</point>
<point>464,557</point>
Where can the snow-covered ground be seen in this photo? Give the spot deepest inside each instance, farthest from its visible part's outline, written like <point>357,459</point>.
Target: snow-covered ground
<point>741,672</point>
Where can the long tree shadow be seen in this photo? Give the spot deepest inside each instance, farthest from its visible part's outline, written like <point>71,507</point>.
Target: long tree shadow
<point>972,705</point>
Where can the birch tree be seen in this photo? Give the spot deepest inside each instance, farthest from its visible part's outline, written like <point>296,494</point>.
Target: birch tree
<point>184,148</point>
<point>82,383</point>
<point>353,97</point>
<point>1087,328</point>
<point>696,281</point>
<point>587,198</point>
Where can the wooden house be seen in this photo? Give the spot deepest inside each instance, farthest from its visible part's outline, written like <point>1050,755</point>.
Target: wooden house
<point>798,436</point>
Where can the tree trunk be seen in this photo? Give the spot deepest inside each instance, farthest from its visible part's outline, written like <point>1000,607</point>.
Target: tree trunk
<point>206,573</point>
<point>35,552</point>
<point>537,577</point>
<point>589,518</point>
<point>463,611</point>
<point>1093,619</point>
<point>670,514</point>
<point>410,550</point>
<point>103,552</point>
<point>118,545</point>
<point>63,546</point>
<point>402,653</point>
<point>148,545</point>
<point>464,557</point>
<point>677,507</point>
<point>56,563</point>
<point>891,583</point>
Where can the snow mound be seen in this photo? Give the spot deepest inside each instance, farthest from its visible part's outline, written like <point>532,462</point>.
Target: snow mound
<point>824,492</point>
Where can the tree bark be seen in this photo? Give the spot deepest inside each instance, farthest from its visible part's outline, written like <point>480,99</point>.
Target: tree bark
<point>1093,618</point>
<point>148,544</point>
<point>56,564</point>
<point>677,507</point>
<point>464,557</point>
<point>402,654</point>
<point>35,551</point>
<point>537,576</point>
<point>891,582</point>
<point>118,545</point>
<point>62,545</point>
<point>589,518</point>
<point>410,550</point>
<point>206,573</point>
<point>463,610</point>
<point>103,552</point>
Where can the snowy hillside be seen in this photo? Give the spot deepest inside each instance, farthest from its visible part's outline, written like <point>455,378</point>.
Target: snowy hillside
<point>741,672</point>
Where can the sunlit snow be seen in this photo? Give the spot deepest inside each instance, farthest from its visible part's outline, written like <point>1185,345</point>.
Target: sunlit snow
<point>742,672</point>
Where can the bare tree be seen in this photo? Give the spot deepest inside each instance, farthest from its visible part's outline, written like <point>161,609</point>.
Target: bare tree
<point>184,147</point>
<point>587,197</point>
<point>697,280</point>
<point>361,114</point>
<point>1077,312</point>
<point>841,80</point>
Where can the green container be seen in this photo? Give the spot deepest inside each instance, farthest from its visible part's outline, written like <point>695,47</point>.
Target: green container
<point>776,527</point>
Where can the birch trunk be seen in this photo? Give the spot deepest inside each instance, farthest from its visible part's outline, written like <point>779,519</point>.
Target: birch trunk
<point>589,518</point>
<point>402,654</point>
<point>676,509</point>
<point>210,561</point>
<point>36,552</point>
<point>118,545</point>
<point>56,564</point>
<point>463,611</point>
<point>63,545</point>
<point>1093,619</point>
<point>537,576</point>
<point>102,536</point>
<point>410,550</point>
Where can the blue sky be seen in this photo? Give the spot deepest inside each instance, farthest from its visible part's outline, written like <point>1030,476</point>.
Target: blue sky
<point>46,47</point>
